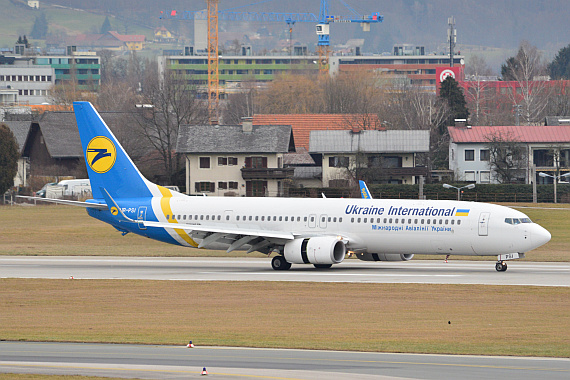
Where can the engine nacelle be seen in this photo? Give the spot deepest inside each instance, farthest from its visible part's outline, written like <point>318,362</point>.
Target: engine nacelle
<point>315,250</point>
<point>367,256</point>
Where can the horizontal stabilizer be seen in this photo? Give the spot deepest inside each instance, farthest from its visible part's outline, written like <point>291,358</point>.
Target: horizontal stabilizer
<point>98,206</point>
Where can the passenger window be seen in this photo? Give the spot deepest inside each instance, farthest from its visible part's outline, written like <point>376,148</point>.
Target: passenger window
<point>396,220</point>
<point>167,217</point>
<point>446,221</point>
<point>189,217</point>
<point>334,219</point>
<point>340,220</point>
<point>275,218</point>
<point>409,221</point>
<point>415,221</point>
<point>201,217</point>
<point>281,218</point>
<point>228,217</point>
<point>251,217</point>
<point>237,217</point>
<point>384,220</point>
<point>207,217</point>
<point>459,222</point>
<point>365,220</point>
<point>299,219</point>
<point>440,221</point>
<point>358,220</point>
<point>390,221</point>
<point>422,221</point>
<point>256,218</point>
<point>452,222</point>
<point>184,217</point>
<point>262,218</point>
<point>305,218</point>
<point>428,221</point>
<point>323,219</point>
<point>329,219</point>
<point>351,220</point>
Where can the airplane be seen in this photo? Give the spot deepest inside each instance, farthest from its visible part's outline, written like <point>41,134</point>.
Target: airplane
<point>317,231</point>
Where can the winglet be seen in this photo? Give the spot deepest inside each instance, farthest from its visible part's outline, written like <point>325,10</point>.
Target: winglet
<point>114,207</point>
<point>364,190</point>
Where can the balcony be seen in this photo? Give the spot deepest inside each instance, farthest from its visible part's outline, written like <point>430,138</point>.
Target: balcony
<point>413,171</point>
<point>267,173</point>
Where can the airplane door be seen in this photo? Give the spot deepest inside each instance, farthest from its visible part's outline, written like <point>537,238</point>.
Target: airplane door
<point>141,215</point>
<point>484,223</point>
<point>312,221</point>
<point>323,221</point>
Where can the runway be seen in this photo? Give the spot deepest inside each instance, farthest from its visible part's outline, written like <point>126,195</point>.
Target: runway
<point>168,362</point>
<point>519,273</point>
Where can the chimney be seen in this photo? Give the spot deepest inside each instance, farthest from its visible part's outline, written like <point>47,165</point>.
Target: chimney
<point>247,124</point>
<point>460,123</point>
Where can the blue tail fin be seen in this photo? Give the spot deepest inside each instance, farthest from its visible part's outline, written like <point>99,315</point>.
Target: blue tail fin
<point>365,193</point>
<point>108,165</point>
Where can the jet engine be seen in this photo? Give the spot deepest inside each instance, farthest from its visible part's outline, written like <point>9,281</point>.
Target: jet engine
<point>315,250</point>
<point>367,256</point>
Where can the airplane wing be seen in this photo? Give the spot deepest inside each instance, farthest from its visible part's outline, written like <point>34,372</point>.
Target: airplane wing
<point>98,206</point>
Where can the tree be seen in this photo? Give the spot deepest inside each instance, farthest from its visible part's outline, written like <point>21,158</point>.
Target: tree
<point>9,155</point>
<point>507,157</point>
<point>530,89</point>
<point>559,68</point>
<point>40,28</point>
<point>453,95</point>
<point>23,41</point>
<point>167,102</point>
<point>106,27</point>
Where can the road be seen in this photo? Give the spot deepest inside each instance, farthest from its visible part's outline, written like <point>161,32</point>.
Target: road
<point>168,362</point>
<point>245,269</point>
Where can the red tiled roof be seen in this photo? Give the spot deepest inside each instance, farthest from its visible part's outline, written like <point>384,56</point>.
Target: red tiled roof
<point>303,124</point>
<point>522,133</point>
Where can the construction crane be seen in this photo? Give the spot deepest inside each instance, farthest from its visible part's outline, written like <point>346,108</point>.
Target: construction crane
<point>213,15</point>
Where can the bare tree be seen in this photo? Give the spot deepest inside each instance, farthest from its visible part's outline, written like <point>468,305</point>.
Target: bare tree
<point>292,94</point>
<point>167,103</point>
<point>530,89</point>
<point>507,157</point>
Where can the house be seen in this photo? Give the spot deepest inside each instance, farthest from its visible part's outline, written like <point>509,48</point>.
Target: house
<point>236,160</point>
<point>20,129</point>
<point>161,34</point>
<point>53,147</point>
<point>111,40</point>
<point>306,172</point>
<point>376,156</point>
<point>546,147</point>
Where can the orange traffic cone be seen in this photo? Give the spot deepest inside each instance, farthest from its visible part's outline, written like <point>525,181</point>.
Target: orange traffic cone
<point>204,372</point>
<point>190,345</point>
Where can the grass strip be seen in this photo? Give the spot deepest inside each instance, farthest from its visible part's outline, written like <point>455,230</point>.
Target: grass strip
<point>420,318</point>
<point>69,231</point>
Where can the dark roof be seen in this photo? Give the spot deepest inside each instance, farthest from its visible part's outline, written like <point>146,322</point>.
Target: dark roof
<point>232,139</point>
<point>299,157</point>
<point>60,133</point>
<point>557,120</point>
<point>390,141</point>
<point>20,130</point>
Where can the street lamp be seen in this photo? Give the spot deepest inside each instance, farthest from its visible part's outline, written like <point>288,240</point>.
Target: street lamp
<point>470,186</point>
<point>555,179</point>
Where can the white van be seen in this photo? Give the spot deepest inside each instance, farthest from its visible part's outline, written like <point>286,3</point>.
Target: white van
<point>76,187</point>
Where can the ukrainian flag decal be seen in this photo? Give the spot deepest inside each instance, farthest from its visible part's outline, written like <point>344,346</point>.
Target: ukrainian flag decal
<point>462,212</point>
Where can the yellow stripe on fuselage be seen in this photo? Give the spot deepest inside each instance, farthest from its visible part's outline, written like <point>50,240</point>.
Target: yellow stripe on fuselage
<point>167,210</point>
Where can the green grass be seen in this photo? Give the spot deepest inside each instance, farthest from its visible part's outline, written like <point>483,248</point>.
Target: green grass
<point>64,230</point>
<point>422,318</point>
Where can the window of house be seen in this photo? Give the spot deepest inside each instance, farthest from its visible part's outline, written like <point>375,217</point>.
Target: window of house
<point>205,187</point>
<point>338,162</point>
<point>232,161</point>
<point>222,185</point>
<point>484,155</point>
<point>204,162</point>
<point>256,162</point>
<point>222,161</point>
<point>485,176</point>
<point>470,175</point>
<point>469,155</point>
<point>232,185</point>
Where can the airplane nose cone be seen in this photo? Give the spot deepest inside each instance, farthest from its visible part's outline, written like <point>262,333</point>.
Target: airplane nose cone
<point>540,236</point>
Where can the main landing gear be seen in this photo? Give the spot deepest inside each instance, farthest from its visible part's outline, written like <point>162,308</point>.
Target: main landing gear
<point>279,263</point>
<point>501,266</point>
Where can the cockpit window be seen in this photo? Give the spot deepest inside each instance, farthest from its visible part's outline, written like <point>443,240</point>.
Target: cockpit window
<point>516,221</point>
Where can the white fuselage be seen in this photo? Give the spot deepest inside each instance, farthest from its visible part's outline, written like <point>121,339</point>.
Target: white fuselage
<point>374,226</point>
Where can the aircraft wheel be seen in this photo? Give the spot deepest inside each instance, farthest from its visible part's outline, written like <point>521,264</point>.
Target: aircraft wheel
<point>322,266</point>
<point>501,266</point>
<point>279,263</point>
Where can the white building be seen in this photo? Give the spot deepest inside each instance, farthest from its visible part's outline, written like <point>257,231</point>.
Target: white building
<point>380,156</point>
<point>546,147</point>
<point>235,160</point>
<point>33,83</point>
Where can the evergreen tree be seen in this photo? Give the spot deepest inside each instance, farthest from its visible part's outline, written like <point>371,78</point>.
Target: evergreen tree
<point>559,68</point>
<point>453,96</point>
<point>40,28</point>
<point>106,27</point>
<point>8,158</point>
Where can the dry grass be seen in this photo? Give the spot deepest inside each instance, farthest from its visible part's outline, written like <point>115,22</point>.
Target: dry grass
<point>25,376</point>
<point>63,230</point>
<point>490,320</point>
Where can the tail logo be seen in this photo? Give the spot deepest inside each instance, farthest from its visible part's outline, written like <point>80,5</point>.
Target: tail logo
<point>101,154</point>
